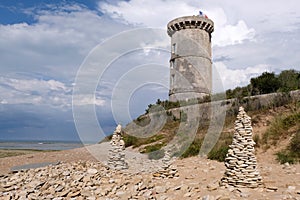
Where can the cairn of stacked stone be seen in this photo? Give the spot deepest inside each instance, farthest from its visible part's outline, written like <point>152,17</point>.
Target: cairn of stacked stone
<point>116,155</point>
<point>167,170</point>
<point>240,161</point>
<point>166,160</point>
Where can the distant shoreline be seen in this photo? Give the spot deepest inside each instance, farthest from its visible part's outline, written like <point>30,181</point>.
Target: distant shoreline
<point>18,152</point>
<point>39,145</point>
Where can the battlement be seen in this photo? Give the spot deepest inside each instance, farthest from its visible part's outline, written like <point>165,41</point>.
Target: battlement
<point>190,22</point>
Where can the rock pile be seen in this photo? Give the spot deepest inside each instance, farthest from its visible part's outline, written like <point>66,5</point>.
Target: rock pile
<point>116,157</point>
<point>94,181</point>
<point>240,161</point>
<point>87,180</point>
<point>167,170</point>
<point>78,180</point>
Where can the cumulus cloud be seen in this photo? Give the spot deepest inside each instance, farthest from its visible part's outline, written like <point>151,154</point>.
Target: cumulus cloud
<point>154,13</point>
<point>35,85</point>
<point>82,100</point>
<point>42,92</point>
<point>226,33</point>
<point>34,91</point>
<point>56,42</point>
<point>141,13</point>
<point>238,77</point>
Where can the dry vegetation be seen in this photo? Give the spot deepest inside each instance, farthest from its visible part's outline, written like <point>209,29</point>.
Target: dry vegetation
<point>279,122</point>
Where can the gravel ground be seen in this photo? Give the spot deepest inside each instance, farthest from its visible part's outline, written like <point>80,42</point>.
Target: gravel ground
<point>198,177</point>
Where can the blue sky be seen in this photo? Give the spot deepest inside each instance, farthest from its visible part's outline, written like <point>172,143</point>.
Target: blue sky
<point>45,45</point>
<point>13,11</point>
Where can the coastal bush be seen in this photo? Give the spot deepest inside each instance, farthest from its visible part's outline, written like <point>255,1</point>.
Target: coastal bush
<point>289,80</point>
<point>294,145</point>
<point>218,154</point>
<point>193,149</point>
<point>136,142</point>
<point>292,153</point>
<point>285,157</point>
<point>154,138</point>
<point>151,148</point>
<point>280,128</point>
<point>130,140</point>
<point>267,82</point>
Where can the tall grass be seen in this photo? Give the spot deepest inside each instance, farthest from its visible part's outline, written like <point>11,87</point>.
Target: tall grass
<point>283,127</point>
<point>279,128</point>
<point>292,153</point>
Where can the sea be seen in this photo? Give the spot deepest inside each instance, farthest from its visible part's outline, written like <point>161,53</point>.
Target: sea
<point>40,145</point>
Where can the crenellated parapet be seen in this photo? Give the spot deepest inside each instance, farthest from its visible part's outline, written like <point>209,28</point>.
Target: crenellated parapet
<point>190,22</point>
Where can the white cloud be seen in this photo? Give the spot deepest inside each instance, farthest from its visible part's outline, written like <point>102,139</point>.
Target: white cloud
<point>158,13</point>
<point>226,33</point>
<point>56,43</point>
<point>31,85</point>
<point>82,100</point>
<point>34,91</point>
<point>56,85</point>
<point>232,78</point>
<point>42,92</point>
<point>154,13</point>
<point>265,16</point>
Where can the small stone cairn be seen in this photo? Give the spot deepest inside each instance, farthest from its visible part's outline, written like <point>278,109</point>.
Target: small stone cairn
<point>167,170</point>
<point>116,155</point>
<point>240,161</point>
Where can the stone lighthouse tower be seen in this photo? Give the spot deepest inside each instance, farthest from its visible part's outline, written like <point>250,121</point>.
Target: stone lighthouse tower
<point>190,63</point>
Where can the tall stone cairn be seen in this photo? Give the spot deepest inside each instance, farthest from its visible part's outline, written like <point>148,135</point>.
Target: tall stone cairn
<point>116,155</point>
<point>240,161</point>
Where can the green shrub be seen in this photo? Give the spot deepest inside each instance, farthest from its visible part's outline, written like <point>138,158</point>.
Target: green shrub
<point>291,120</point>
<point>294,145</point>
<point>152,139</point>
<point>279,127</point>
<point>218,154</point>
<point>152,148</point>
<point>275,131</point>
<point>292,153</point>
<point>285,157</point>
<point>130,140</point>
<point>193,149</point>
